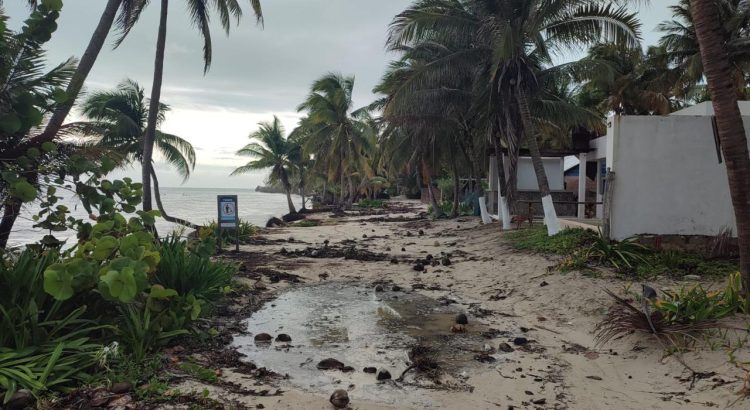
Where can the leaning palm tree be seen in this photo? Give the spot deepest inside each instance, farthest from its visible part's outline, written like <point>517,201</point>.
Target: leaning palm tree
<point>722,85</point>
<point>517,37</point>
<point>123,20</point>
<point>117,121</point>
<point>272,151</point>
<point>200,13</point>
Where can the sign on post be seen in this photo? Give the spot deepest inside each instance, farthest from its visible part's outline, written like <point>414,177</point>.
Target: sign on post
<point>228,218</point>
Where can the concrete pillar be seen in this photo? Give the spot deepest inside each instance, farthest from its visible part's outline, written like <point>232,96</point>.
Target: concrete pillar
<point>494,185</point>
<point>599,193</point>
<point>582,157</point>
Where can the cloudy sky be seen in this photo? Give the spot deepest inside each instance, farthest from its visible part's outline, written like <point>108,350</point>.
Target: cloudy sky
<point>256,72</point>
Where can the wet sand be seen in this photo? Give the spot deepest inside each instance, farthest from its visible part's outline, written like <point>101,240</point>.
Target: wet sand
<point>506,295</point>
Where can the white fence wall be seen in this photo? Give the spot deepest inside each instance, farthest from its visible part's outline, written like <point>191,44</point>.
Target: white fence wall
<point>554,167</point>
<point>668,178</point>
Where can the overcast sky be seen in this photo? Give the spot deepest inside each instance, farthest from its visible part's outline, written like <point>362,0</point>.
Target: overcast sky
<point>256,72</point>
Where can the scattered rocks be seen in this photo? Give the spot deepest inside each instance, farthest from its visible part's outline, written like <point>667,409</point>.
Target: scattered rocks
<point>259,285</point>
<point>421,232</point>
<point>379,288</point>
<point>446,261</point>
<point>461,319</point>
<point>283,337</point>
<point>263,338</point>
<point>484,358</point>
<point>403,249</point>
<point>594,377</point>
<point>539,401</point>
<point>330,364</point>
<point>370,370</point>
<point>396,288</point>
<point>384,375</point>
<point>121,388</point>
<point>504,347</point>
<point>339,399</point>
<point>347,369</point>
<point>418,267</point>
<point>274,222</point>
<point>293,217</point>
<point>543,284</point>
<point>394,261</point>
<point>520,341</point>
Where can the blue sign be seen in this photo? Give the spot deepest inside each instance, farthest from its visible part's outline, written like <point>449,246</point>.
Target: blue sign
<point>228,211</point>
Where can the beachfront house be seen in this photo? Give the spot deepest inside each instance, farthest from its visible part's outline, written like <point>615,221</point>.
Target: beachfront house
<point>658,175</point>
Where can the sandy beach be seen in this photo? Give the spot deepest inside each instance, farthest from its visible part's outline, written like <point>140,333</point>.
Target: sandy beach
<point>511,298</point>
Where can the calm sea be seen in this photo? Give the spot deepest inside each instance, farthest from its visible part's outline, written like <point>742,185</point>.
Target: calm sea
<point>197,205</point>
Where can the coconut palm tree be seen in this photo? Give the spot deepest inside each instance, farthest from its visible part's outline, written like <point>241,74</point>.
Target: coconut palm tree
<point>200,15</point>
<point>338,136</point>
<point>718,70</point>
<point>117,121</point>
<point>516,37</point>
<point>273,151</point>
<point>125,20</point>
<point>681,42</point>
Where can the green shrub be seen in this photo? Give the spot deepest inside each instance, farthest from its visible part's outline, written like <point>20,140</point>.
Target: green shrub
<point>370,203</point>
<point>464,209</point>
<point>536,239</point>
<point>623,255</point>
<point>695,304</point>
<point>676,263</point>
<point>191,273</point>
<point>141,334</point>
<point>246,230</point>
<point>64,363</point>
<point>307,223</point>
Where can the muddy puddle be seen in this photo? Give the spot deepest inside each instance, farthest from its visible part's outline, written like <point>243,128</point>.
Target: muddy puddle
<point>361,328</point>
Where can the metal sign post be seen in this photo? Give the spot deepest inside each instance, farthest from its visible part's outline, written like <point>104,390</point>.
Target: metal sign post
<point>228,219</point>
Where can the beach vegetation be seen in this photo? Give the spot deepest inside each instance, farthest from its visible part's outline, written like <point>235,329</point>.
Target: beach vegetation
<point>274,151</point>
<point>371,204</point>
<point>116,122</point>
<point>246,232</point>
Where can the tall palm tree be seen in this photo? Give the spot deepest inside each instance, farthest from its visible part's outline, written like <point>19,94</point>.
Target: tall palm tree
<point>125,20</point>
<point>718,71</point>
<point>117,119</point>
<point>515,39</point>
<point>200,14</point>
<point>338,135</point>
<point>682,45</point>
<point>273,151</point>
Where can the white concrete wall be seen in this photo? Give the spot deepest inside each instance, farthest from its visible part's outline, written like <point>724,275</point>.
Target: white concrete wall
<point>554,167</point>
<point>668,178</point>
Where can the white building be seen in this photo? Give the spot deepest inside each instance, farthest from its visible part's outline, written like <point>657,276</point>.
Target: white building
<point>670,178</point>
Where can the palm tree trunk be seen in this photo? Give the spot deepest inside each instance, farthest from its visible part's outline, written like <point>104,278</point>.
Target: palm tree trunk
<point>160,206</point>
<point>10,213</point>
<point>153,110</point>
<point>289,202</point>
<point>731,129</point>
<point>456,188</point>
<point>302,193</point>
<point>550,215</point>
<point>79,77</point>
<point>352,192</point>
<point>503,213</point>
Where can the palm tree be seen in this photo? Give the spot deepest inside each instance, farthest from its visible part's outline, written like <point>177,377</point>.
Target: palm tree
<point>117,119</point>
<point>682,45</point>
<point>338,136</point>
<point>718,71</point>
<point>273,151</point>
<point>513,40</point>
<point>200,13</point>
<point>125,20</point>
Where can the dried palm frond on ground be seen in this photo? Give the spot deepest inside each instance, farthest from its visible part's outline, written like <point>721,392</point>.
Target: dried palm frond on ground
<point>423,359</point>
<point>625,318</point>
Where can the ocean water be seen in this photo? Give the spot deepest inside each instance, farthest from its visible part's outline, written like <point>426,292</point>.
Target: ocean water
<point>198,205</point>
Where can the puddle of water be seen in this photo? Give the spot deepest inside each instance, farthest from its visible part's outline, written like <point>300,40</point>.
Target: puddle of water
<point>360,328</point>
